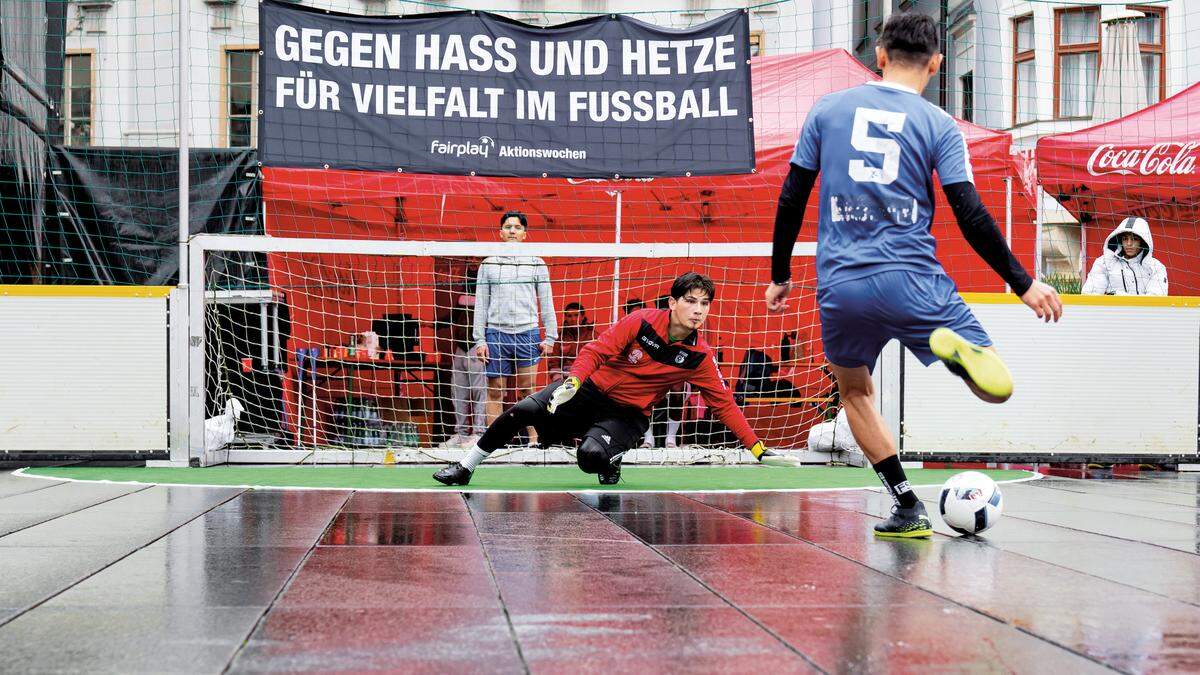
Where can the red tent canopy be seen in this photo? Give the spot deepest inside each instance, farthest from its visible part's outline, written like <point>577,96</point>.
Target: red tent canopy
<point>1143,164</point>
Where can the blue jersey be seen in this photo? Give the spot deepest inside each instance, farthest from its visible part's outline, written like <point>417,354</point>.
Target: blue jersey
<point>876,147</point>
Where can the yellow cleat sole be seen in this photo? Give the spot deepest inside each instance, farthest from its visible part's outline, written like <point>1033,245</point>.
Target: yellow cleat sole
<point>913,534</point>
<point>983,366</point>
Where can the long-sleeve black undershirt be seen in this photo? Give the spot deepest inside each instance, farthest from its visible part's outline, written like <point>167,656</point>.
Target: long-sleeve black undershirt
<point>980,231</point>
<point>789,216</point>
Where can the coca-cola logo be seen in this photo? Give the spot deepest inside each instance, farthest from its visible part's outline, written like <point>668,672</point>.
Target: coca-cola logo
<point>1161,159</point>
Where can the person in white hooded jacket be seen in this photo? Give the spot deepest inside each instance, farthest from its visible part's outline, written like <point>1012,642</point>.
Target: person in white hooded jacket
<point>1128,265</point>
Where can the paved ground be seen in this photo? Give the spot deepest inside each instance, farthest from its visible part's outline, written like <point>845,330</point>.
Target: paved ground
<point>1079,576</point>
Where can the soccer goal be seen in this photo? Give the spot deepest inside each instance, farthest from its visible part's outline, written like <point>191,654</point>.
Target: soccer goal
<point>347,351</point>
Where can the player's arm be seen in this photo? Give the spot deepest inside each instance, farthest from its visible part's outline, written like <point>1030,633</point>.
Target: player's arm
<point>980,231</point>
<point>593,355</point>
<point>789,217</point>
<point>793,198</point>
<point>953,163</point>
<point>718,397</point>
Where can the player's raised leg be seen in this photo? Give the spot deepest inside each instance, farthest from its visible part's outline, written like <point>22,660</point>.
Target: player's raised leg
<point>980,367</point>
<point>908,518</point>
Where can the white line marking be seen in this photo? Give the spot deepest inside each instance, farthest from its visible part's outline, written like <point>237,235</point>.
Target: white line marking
<point>21,473</point>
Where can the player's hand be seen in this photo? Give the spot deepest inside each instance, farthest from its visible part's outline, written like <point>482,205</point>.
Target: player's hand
<point>777,296</point>
<point>547,348</point>
<point>565,392</point>
<point>482,353</point>
<point>1044,301</point>
<point>768,458</point>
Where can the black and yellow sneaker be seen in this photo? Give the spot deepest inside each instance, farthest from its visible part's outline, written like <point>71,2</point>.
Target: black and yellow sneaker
<point>979,365</point>
<point>911,523</point>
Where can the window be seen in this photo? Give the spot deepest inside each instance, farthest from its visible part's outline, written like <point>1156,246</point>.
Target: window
<point>756,43</point>
<point>1076,61</point>
<point>960,55</point>
<point>241,94</point>
<point>1152,36</point>
<point>1024,72</point>
<point>77,99</point>
<point>966,84</point>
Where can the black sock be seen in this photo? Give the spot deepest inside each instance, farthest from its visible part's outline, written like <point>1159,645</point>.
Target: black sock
<point>895,482</point>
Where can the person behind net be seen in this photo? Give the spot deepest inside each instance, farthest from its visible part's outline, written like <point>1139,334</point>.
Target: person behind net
<point>1128,265</point>
<point>615,382</point>
<point>577,331</point>
<point>878,278</point>
<point>511,293</point>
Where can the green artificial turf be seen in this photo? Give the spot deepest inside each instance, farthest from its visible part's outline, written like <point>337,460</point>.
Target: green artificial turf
<point>512,478</point>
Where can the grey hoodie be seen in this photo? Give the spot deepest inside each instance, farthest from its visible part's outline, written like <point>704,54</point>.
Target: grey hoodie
<point>1114,274</point>
<point>508,294</point>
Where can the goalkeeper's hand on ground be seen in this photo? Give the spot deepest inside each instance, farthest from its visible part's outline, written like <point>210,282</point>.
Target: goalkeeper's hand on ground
<point>768,458</point>
<point>564,393</point>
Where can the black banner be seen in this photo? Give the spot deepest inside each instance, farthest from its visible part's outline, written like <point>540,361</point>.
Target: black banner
<point>471,92</point>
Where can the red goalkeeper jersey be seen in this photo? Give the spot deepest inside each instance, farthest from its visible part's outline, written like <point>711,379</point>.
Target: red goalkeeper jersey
<point>635,364</point>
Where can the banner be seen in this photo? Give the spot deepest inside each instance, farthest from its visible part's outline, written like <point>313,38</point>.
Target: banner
<point>475,93</point>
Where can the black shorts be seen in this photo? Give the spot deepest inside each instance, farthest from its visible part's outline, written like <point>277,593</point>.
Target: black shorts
<point>590,413</point>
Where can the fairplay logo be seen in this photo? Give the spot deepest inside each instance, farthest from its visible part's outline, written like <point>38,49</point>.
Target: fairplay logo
<point>485,146</point>
<point>1162,159</point>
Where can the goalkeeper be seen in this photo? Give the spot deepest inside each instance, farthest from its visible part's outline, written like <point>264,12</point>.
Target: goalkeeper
<point>615,382</point>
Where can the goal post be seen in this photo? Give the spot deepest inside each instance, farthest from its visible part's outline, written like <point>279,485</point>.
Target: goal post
<point>352,350</point>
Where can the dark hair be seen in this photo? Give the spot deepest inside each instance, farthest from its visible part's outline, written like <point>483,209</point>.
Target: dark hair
<point>633,304</point>
<point>663,302</point>
<point>693,281</point>
<point>515,214</point>
<point>573,305</point>
<point>910,38</point>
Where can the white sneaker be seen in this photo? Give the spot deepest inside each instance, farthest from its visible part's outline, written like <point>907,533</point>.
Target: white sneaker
<point>455,441</point>
<point>671,443</point>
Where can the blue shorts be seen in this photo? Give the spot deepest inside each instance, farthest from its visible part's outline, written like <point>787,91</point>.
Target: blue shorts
<point>509,351</point>
<point>859,316</point>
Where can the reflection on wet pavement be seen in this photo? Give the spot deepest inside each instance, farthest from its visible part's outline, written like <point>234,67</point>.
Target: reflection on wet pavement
<point>1079,576</point>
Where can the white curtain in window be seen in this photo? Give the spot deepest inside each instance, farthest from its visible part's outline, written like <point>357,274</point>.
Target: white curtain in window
<point>1122,86</point>
<point>1077,83</point>
<point>1026,91</point>
<point>1151,63</point>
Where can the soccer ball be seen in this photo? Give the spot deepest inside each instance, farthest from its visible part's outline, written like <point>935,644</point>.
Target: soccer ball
<point>970,502</point>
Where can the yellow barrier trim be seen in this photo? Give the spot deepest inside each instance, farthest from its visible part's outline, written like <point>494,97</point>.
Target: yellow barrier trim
<point>44,291</point>
<point>1092,300</point>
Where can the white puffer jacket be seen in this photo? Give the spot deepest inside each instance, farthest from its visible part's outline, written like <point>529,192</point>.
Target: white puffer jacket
<point>1114,274</point>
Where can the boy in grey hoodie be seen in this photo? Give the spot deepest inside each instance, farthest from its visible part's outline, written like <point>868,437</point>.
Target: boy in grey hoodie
<point>511,292</point>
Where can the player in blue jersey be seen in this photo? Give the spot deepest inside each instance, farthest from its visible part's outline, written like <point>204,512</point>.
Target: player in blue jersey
<point>876,147</point>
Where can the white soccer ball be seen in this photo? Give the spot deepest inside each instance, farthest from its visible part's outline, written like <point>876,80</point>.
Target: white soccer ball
<point>970,502</point>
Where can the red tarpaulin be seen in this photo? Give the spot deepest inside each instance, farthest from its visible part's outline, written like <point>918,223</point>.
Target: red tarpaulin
<point>359,205</point>
<point>1143,164</point>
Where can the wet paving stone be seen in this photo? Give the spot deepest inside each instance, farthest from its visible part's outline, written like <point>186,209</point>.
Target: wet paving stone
<point>357,639</point>
<point>400,529</point>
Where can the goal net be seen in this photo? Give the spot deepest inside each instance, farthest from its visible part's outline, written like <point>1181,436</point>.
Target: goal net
<point>363,350</point>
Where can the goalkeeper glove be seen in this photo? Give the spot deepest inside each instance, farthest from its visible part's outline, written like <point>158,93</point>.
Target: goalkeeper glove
<point>564,393</point>
<point>768,458</point>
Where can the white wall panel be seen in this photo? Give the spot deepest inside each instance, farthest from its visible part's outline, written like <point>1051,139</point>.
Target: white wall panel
<point>1106,380</point>
<point>83,373</point>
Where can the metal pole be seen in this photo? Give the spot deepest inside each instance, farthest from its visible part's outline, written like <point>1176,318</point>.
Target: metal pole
<point>616,303</point>
<point>185,63</point>
<point>1037,244</point>
<point>1008,217</point>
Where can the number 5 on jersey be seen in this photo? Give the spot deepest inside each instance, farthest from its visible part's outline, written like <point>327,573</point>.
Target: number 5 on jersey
<point>864,142</point>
